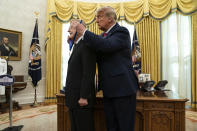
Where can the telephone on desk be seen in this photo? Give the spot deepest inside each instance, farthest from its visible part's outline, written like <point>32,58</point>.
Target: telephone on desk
<point>161,85</point>
<point>148,86</point>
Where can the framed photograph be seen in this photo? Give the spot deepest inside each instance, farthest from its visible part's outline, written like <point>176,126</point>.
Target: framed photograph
<point>10,44</point>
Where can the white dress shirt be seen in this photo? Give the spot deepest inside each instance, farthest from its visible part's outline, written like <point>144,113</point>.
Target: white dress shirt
<point>3,71</point>
<point>74,45</point>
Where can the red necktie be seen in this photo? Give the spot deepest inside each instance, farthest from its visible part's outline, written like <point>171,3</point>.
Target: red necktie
<point>105,34</point>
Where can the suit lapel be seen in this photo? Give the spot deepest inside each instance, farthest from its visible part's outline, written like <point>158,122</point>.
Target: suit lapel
<point>74,50</point>
<point>112,30</point>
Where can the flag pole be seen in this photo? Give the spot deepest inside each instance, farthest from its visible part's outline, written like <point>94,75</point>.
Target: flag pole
<point>36,13</point>
<point>35,98</point>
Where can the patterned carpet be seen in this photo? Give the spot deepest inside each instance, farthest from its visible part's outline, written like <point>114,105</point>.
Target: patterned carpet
<point>28,113</point>
<point>191,115</point>
<point>33,119</point>
<point>191,120</point>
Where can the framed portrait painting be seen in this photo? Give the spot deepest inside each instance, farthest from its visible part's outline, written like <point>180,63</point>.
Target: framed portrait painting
<point>10,44</point>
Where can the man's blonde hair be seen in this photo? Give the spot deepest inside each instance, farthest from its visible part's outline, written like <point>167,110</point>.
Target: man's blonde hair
<point>108,11</point>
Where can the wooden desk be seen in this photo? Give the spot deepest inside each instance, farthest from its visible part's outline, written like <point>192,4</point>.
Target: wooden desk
<point>154,112</point>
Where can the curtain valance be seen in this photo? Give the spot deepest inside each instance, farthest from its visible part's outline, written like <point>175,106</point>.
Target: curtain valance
<point>132,11</point>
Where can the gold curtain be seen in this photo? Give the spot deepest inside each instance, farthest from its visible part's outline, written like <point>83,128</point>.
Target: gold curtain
<point>94,28</point>
<point>53,61</point>
<point>186,6</point>
<point>148,32</point>
<point>194,61</point>
<point>132,11</point>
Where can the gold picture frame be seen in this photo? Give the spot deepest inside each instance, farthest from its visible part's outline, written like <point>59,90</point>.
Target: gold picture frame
<point>10,44</point>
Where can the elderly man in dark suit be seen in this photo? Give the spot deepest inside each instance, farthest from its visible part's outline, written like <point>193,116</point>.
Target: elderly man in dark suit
<point>117,78</point>
<point>80,86</point>
<point>5,49</point>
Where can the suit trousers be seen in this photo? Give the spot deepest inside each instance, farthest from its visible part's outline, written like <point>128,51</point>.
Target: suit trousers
<point>120,113</point>
<point>81,119</point>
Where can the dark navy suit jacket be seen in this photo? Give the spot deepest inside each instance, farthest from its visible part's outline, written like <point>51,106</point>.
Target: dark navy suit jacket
<point>116,74</point>
<point>80,76</point>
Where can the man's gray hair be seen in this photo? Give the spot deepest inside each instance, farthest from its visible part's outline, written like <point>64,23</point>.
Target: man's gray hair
<point>108,11</point>
<point>78,20</point>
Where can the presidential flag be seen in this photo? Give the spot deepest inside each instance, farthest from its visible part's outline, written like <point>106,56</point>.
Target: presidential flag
<point>136,55</point>
<point>35,58</point>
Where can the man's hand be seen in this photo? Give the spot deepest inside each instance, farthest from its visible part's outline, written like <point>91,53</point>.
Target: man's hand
<point>69,39</point>
<point>83,102</point>
<point>80,28</point>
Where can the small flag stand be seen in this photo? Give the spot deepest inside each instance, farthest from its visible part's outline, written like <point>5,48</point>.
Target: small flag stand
<point>8,80</point>
<point>35,60</point>
<point>35,103</point>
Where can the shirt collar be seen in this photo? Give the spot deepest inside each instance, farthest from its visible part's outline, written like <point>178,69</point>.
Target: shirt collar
<point>110,28</point>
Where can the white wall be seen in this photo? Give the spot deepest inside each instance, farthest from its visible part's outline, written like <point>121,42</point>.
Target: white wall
<point>18,15</point>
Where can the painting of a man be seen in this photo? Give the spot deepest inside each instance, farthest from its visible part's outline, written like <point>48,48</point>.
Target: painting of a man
<point>10,44</point>
<point>6,49</point>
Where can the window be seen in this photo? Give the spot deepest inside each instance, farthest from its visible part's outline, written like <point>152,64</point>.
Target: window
<point>65,52</point>
<point>176,53</point>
